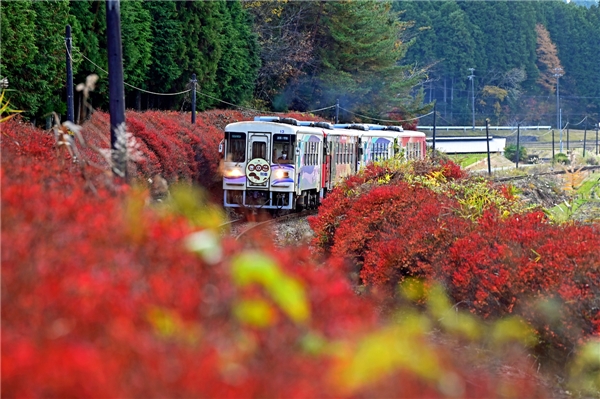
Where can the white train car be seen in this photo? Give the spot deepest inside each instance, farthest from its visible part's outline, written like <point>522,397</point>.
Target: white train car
<point>413,143</point>
<point>379,143</point>
<point>273,163</point>
<point>282,163</point>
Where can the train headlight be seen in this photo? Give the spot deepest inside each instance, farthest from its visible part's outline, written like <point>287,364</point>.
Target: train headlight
<point>233,173</point>
<point>281,174</point>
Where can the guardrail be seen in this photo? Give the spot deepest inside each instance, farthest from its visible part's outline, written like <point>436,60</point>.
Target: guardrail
<point>465,128</point>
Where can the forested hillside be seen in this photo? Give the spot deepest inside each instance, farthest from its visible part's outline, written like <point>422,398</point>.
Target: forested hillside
<point>164,43</point>
<point>516,50</point>
<point>387,60</point>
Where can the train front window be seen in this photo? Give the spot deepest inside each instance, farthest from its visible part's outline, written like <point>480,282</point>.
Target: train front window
<point>283,148</point>
<point>236,146</point>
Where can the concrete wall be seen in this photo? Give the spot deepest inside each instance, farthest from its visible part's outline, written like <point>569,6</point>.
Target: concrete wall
<point>466,145</point>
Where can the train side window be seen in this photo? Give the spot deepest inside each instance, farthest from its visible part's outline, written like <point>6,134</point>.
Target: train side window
<point>413,150</point>
<point>348,153</point>
<point>346,160</point>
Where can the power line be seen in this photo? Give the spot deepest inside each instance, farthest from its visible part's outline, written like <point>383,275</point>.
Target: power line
<point>127,84</point>
<point>386,120</point>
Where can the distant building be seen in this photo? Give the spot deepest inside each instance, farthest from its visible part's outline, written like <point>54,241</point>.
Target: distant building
<point>467,145</point>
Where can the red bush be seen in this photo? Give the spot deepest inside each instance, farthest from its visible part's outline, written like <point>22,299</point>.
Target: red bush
<point>397,231</point>
<point>102,299</point>
<point>508,266</point>
<point>493,266</point>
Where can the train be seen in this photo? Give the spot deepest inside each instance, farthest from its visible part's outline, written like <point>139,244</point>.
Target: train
<point>276,163</point>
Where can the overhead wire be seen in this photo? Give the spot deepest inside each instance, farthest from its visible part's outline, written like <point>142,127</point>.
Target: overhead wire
<point>386,120</point>
<point>575,124</point>
<point>240,106</point>
<point>182,92</point>
<point>125,83</point>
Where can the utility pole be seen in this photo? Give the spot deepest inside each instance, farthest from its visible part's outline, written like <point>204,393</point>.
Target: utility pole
<point>557,74</point>
<point>194,81</point>
<point>552,147</point>
<point>560,129</point>
<point>70,107</point>
<point>116,89</point>
<point>518,147</point>
<point>487,140</point>
<point>471,76</point>
<point>433,141</point>
<point>584,139</point>
<point>597,137</point>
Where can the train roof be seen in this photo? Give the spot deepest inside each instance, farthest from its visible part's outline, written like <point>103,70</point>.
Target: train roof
<point>291,126</point>
<point>412,133</point>
<point>285,128</point>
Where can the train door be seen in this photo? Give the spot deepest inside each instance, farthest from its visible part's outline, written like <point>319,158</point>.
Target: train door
<point>258,145</point>
<point>258,169</point>
<point>326,175</point>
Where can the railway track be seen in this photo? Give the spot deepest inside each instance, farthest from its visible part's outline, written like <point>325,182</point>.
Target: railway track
<point>241,227</point>
<point>553,172</point>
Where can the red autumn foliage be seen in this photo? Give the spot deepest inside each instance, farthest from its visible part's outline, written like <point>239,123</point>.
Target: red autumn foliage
<point>514,265</point>
<point>491,266</point>
<point>397,231</point>
<point>83,275</point>
<point>101,298</point>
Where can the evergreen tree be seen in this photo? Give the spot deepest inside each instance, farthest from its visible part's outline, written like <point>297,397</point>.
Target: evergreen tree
<point>136,34</point>
<point>39,80</point>
<point>510,153</point>
<point>447,40</point>
<point>360,47</point>
<point>88,20</point>
<point>455,47</point>
<point>203,47</point>
<point>167,49</point>
<point>18,51</point>
<point>238,66</point>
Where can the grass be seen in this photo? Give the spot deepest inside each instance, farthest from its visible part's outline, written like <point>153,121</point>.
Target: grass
<point>590,186</point>
<point>588,191</point>
<point>465,160</point>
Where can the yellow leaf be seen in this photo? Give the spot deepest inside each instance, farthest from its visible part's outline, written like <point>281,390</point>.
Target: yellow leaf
<point>287,292</point>
<point>256,313</point>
